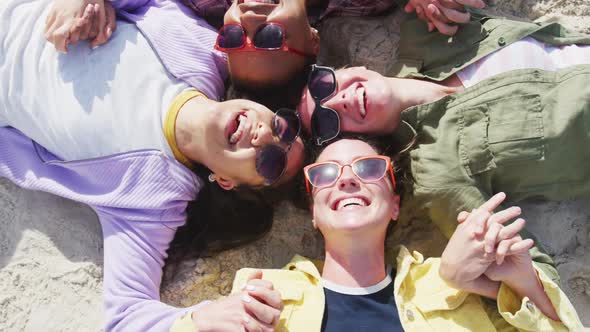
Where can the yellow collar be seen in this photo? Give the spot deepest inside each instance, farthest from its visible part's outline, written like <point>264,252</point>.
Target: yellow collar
<point>429,291</point>
<point>170,124</point>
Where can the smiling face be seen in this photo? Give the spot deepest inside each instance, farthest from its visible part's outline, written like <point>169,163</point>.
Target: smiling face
<point>233,133</point>
<point>364,101</point>
<point>351,204</point>
<point>257,68</point>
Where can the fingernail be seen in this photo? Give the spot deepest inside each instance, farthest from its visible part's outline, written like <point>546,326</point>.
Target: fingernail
<point>243,286</point>
<point>250,288</point>
<point>109,31</point>
<point>246,299</point>
<point>246,319</point>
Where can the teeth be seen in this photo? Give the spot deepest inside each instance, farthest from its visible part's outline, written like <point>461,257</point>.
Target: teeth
<point>350,202</point>
<point>360,94</point>
<point>235,137</point>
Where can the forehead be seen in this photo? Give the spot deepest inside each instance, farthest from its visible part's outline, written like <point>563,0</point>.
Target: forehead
<point>346,150</point>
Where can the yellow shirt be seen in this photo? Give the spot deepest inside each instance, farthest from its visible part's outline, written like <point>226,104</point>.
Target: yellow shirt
<point>424,301</point>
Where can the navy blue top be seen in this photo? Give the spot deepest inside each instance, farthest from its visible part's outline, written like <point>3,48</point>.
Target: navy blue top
<point>375,311</point>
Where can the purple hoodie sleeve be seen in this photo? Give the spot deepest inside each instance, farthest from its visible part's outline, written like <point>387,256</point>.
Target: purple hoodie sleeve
<point>140,198</point>
<point>132,274</point>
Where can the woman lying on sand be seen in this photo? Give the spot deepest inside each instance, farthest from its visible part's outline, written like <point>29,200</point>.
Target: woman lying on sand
<point>361,287</point>
<point>501,107</point>
<point>112,128</point>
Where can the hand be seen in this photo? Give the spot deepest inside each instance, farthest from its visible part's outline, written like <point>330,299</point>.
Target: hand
<point>257,308</point>
<point>442,14</point>
<point>69,21</point>
<point>465,259</point>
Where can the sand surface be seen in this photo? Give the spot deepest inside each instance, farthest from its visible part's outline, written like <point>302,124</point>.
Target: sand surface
<point>51,248</point>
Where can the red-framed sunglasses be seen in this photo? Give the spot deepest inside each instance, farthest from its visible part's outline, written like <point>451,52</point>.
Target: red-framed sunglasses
<point>367,169</point>
<point>269,36</point>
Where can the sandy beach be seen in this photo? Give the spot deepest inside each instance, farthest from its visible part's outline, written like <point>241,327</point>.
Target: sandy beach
<point>51,248</point>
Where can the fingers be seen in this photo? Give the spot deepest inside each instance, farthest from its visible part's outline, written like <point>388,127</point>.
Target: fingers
<point>493,202</point>
<point>477,220</point>
<point>491,236</point>
<point>60,38</point>
<point>49,21</point>
<point>463,215</point>
<point>479,4</point>
<point>252,325</point>
<point>260,283</point>
<point>262,312</point>
<point>505,248</point>
<point>511,230</point>
<point>505,215</point>
<point>455,15</point>
<point>256,274</point>
<point>100,27</point>
<point>80,30</point>
<point>522,246</point>
<point>434,14</point>
<point>266,296</point>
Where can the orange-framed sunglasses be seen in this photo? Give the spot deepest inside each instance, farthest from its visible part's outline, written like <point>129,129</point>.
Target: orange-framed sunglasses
<point>367,169</point>
<point>269,36</point>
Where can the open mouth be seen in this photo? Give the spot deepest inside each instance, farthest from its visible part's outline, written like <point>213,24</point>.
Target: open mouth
<point>361,96</point>
<point>350,203</point>
<point>236,128</point>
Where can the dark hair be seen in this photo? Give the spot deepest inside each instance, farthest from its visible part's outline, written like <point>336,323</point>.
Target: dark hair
<point>272,95</point>
<point>222,219</point>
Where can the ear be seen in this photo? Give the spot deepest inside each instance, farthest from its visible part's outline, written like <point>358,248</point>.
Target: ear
<point>224,183</point>
<point>314,46</point>
<point>395,210</point>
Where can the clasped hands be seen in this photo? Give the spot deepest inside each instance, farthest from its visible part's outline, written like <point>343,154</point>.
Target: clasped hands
<point>483,251</point>
<point>443,14</point>
<point>257,308</point>
<point>70,21</point>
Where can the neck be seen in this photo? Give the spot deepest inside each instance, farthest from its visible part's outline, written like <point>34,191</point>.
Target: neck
<point>188,129</point>
<point>413,92</point>
<point>355,262</point>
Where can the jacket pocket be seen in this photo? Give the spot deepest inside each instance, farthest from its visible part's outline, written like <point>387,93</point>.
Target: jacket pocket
<point>501,132</point>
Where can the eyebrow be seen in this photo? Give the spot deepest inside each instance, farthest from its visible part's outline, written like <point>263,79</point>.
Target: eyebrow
<point>338,162</point>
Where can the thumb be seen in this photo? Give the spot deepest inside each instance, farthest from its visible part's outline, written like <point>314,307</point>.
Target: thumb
<point>257,274</point>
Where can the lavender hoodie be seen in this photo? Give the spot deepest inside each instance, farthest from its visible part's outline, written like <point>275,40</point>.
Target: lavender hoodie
<point>184,42</point>
<point>140,198</point>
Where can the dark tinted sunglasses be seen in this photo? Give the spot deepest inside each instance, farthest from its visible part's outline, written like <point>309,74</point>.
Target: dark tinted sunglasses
<point>271,160</point>
<point>325,122</point>
<point>268,37</point>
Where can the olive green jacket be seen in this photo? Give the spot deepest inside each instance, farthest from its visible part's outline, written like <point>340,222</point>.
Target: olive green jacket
<point>434,56</point>
<point>524,132</point>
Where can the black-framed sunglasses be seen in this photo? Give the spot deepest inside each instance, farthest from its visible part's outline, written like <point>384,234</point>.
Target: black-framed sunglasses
<point>325,122</point>
<point>271,160</point>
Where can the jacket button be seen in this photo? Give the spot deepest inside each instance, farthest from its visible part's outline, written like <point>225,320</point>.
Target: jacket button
<point>409,315</point>
<point>530,305</point>
<point>501,41</point>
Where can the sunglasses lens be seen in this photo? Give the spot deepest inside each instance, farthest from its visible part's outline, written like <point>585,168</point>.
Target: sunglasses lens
<point>322,83</point>
<point>269,36</point>
<point>322,175</point>
<point>286,125</point>
<point>325,124</point>
<point>230,36</point>
<point>271,162</point>
<point>370,169</point>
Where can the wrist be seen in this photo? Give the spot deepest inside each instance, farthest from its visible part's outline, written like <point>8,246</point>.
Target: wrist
<point>523,281</point>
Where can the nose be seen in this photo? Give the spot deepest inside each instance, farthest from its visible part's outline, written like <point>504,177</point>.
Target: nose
<point>263,135</point>
<point>347,180</point>
<point>250,21</point>
<point>341,102</point>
